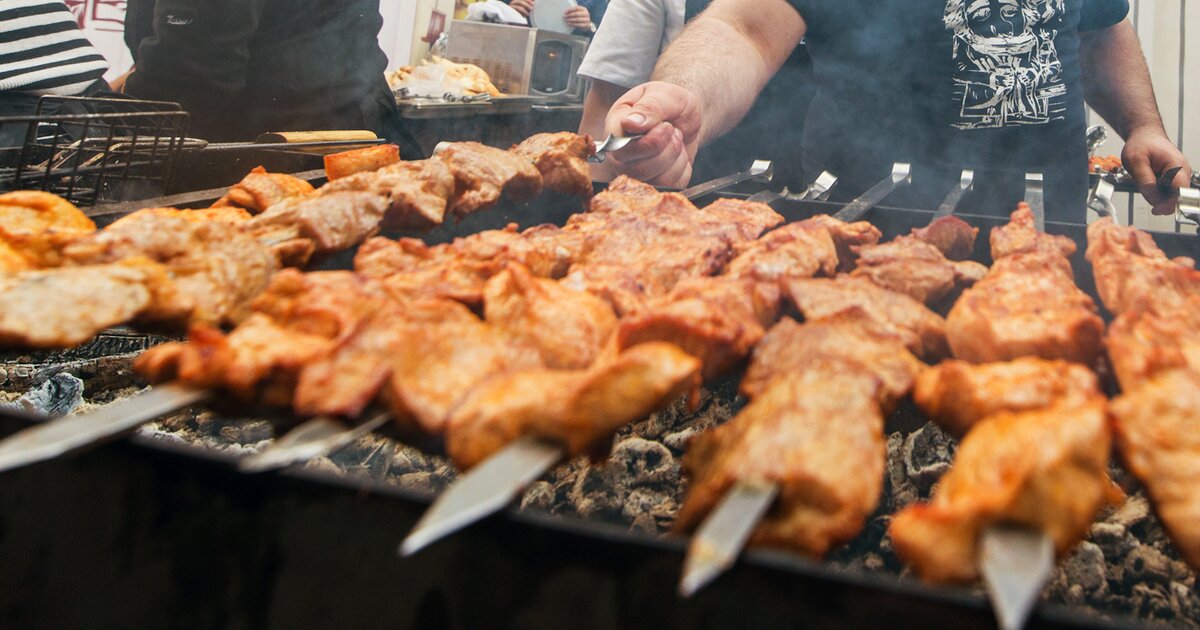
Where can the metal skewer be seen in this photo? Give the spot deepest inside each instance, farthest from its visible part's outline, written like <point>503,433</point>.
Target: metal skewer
<point>719,541</point>
<point>760,169</point>
<point>484,490</point>
<point>1035,197</point>
<point>1189,206</point>
<point>855,210</point>
<point>64,435</point>
<point>314,438</point>
<point>818,191</point>
<point>965,183</point>
<point>1016,562</point>
<point>1101,200</point>
<point>611,143</point>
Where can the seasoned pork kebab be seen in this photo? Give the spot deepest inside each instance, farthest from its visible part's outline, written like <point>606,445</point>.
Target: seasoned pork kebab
<point>62,282</point>
<point>1154,348</point>
<point>1036,440</point>
<point>819,391</point>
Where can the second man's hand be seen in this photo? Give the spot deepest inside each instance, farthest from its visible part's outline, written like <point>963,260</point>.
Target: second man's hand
<point>670,117</point>
<point>1148,153</point>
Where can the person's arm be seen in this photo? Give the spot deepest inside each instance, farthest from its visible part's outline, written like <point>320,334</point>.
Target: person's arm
<point>1116,83</point>
<point>702,87</point>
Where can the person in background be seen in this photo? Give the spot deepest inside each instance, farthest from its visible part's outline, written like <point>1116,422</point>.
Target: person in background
<point>42,52</point>
<point>622,55</point>
<point>579,17</point>
<point>247,67</point>
<point>998,85</point>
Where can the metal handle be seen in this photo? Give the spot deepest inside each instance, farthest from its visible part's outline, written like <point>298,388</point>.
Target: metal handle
<point>901,174</point>
<point>1101,202</point>
<point>1189,206</point>
<point>821,188</point>
<point>760,169</point>
<point>950,205</point>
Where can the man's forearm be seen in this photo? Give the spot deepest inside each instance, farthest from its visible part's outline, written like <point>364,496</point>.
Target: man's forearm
<point>727,55</point>
<point>1116,80</point>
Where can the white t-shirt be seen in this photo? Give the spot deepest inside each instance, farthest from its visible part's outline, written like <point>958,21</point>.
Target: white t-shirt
<point>631,37</point>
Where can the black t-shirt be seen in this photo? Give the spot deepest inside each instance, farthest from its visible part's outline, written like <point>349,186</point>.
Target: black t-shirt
<point>992,85</point>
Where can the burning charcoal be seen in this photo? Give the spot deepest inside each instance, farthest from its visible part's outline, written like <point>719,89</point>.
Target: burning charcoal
<point>323,464</point>
<point>251,432</point>
<point>1152,600</point>
<point>1085,568</point>
<point>1145,564</point>
<point>649,511</point>
<point>927,452</point>
<point>639,462</point>
<point>1183,600</point>
<point>407,459</point>
<point>426,482</point>
<point>1112,538</point>
<point>595,495</point>
<point>902,490</point>
<point>1135,510</point>
<point>540,496</point>
<point>57,396</point>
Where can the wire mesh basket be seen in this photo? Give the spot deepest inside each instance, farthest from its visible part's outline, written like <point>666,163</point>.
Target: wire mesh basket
<point>93,150</point>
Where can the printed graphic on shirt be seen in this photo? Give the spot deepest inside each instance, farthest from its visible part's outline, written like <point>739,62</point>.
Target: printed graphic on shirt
<point>1006,68</point>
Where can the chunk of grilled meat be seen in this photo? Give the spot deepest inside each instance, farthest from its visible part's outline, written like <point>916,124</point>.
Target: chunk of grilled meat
<point>215,268</point>
<point>330,221</point>
<point>799,250</point>
<point>847,237</point>
<point>260,190</point>
<point>818,435</point>
<point>61,307</point>
<point>561,158</point>
<point>1158,440</point>
<point>957,395</point>
<point>1027,305</point>
<point>1132,272</point>
<point>417,193</point>
<point>1021,236</point>
<point>952,236</point>
<point>482,174</point>
<point>916,268</point>
<point>1044,469</point>
<point>34,226</point>
<point>1144,341</point>
<point>568,328</point>
<point>849,340</point>
<point>580,409</point>
<point>922,330</point>
<point>224,214</point>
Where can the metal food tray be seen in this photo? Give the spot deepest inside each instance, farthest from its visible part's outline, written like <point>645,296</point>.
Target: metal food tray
<point>173,535</point>
<point>430,109</point>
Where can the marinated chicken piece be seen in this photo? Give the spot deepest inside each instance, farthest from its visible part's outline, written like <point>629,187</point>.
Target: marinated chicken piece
<point>848,341</point>
<point>1021,236</point>
<point>568,328</point>
<point>223,214</point>
<point>1158,440</point>
<point>957,395</point>
<point>742,221</point>
<point>1143,342</point>
<point>818,435</point>
<point>482,174</point>
<point>417,192</point>
<point>410,270</point>
<point>57,308</point>
<point>1027,305</point>
<point>916,268</point>
<point>300,318</point>
<point>34,226</point>
<point>260,190</point>
<point>1044,469</point>
<point>952,236</point>
<point>580,409</point>
<point>215,268</point>
<point>562,160</point>
<point>799,250</point>
<point>922,330</point>
<point>716,319</point>
<point>330,221</point>
<point>1131,270</point>
<point>847,237</point>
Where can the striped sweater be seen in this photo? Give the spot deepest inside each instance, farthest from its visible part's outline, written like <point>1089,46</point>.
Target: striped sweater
<point>42,50</point>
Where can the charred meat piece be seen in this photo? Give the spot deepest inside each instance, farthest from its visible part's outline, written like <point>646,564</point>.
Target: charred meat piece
<point>1158,440</point>
<point>34,226</point>
<point>60,307</point>
<point>1131,271</point>
<point>849,340</point>
<point>561,158</point>
<point>260,190</point>
<point>952,236</point>
<point>916,268</point>
<point>1027,305</point>
<point>215,268</point>
<point>818,435</point>
<point>922,330</point>
<point>580,409</point>
<point>330,221</point>
<point>482,174</point>
<point>957,395</point>
<point>1044,469</point>
<point>568,328</point>
<point>417,192</point>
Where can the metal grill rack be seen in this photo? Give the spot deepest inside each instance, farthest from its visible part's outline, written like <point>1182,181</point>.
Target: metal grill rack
<point>94,150</point>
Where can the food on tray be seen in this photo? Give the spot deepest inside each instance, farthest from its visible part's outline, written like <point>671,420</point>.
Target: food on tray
<point>346,163</point>
<point>436,76</point>
<point>1105,164</point>
<point>1027,304</point>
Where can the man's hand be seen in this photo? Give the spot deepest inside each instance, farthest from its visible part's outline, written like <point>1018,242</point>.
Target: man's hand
<point>524,7</point>
<point>578,17</point>
<point>671,118</point>
<point>1148,153</point>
